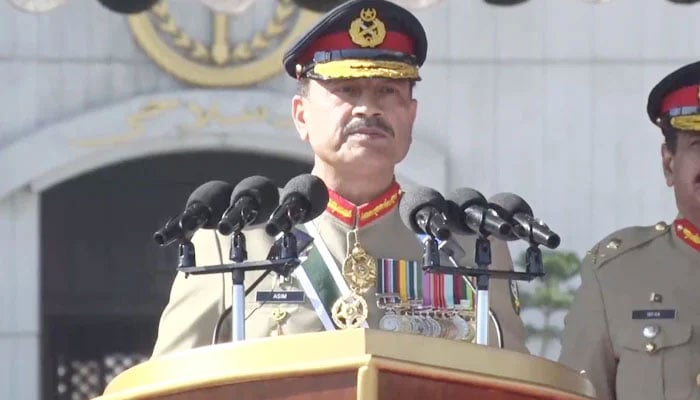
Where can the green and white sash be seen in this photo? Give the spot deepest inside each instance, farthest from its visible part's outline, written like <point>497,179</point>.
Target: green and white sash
<point>321,279</point>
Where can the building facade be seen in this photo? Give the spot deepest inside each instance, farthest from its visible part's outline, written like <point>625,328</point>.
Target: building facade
<point>108,121</point>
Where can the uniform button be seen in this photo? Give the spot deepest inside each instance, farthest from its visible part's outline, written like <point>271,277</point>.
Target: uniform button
<point>697,379</point>
<point>650,331</point>
<point>655,297</point>
<point>650,347</point>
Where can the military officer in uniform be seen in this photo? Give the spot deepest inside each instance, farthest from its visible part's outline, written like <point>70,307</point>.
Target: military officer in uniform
<point>356,70</point>
<point>634,328</point>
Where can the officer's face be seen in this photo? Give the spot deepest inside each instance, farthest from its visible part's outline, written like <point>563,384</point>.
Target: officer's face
<point>358,124</point>
<point>682,172</point>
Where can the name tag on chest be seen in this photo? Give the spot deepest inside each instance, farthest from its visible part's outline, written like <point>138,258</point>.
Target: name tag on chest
<point>280,297</point>
<point>654,314</point>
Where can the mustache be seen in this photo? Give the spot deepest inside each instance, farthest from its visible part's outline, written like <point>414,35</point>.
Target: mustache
<point>358,123</point>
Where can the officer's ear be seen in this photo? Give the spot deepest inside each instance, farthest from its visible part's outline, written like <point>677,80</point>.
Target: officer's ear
<point>299,117</point>
<point>667,163</point>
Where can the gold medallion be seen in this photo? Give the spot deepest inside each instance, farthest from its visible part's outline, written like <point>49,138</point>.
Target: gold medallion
<point>367,30</point>
<point>360,270</point>
<point>279,315</point>
<point>349,311</point>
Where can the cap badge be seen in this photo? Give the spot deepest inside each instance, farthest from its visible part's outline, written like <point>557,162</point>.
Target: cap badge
<point>367,30</point>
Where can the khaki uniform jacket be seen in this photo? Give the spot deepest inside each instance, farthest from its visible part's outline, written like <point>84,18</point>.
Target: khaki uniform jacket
<point>197,302</point>
<point>635,324</point>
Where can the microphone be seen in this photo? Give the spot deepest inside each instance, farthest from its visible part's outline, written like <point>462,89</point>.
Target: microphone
<point>202,210</point>
<point>169,233</point>
<point>252,202</point>
<point>423,211</point>
<point>469,213</point>
<point>304,198</point>
<point>518,214</point>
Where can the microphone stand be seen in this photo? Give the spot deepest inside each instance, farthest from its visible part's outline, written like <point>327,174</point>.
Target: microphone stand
<point>533,259</point>
<point>450,251</point>
<point>482,258</point>
<point>237,255</point>
<point>283,265</point>
<point>185,256</point>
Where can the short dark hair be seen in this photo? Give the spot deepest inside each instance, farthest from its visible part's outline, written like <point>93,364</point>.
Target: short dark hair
<point>303,87</point>
<point>670,134</point>
<point>671,137</point>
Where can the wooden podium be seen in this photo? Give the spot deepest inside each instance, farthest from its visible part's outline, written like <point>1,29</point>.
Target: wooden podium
<point>352,364</point>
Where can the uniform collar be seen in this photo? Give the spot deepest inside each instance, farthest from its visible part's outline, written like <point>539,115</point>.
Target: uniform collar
<point>687,233</point>
<point>359,216</point>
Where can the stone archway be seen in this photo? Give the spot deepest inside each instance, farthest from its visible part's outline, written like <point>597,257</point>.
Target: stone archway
<point>104,280</point>
<point>245,121</point>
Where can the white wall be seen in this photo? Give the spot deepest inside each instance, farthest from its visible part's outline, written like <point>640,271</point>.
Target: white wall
<point>548,100</point>
<point>19,296</point>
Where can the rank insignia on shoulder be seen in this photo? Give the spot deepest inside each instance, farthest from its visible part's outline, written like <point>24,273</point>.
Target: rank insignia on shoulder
<point>661,226</point>
<point>623,241</point>
<point>614,244</point>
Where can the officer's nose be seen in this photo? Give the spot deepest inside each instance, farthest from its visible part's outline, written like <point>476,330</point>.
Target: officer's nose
<point>367,105</point>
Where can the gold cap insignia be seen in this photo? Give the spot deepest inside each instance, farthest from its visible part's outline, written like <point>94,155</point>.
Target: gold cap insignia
<point>367,30</point>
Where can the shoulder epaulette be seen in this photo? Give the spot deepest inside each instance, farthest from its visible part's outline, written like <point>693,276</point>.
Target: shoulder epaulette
<point>622,241</point>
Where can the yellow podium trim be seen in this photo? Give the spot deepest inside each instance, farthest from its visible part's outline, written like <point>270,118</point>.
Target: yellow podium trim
<point>364,351</point>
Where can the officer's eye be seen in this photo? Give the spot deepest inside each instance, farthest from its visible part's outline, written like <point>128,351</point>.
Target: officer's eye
<point>388,89</point>
<point>348,89</point>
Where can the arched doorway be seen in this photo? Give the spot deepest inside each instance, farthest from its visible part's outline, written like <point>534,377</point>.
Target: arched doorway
<point>193,121</point>
<point>104,280</point>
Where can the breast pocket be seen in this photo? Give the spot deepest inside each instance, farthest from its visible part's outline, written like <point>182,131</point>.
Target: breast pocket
<point>655,361</point>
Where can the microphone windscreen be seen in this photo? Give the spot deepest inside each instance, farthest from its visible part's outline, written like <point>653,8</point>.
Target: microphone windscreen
<point>415,199</point>
<point>214,195</point>
<point>128,6</point>
<point>263,190</point>
<point>467,197</point>
<point>507,204</point>
<point>457,202</point>
<point>312,189</point>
